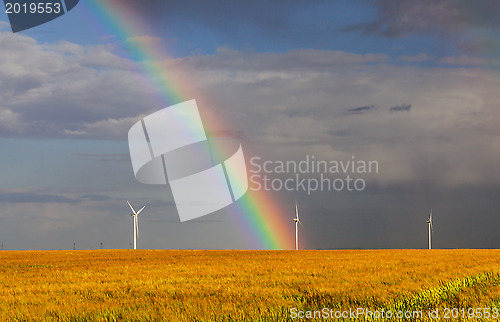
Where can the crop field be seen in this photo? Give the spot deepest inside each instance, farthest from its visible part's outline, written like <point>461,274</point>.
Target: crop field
<point>191,285</point>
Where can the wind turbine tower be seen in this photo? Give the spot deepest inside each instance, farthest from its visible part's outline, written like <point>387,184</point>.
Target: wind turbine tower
<point>136,222</point>
<point>429,222</point>
<point>297,222</point>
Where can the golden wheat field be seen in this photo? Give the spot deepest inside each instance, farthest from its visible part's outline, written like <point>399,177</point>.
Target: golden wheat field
<point>191,285</point>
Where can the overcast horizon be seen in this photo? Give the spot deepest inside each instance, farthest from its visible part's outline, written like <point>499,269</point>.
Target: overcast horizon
<point>410,85</point>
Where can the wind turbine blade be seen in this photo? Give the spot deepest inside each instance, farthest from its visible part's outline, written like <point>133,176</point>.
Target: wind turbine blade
<point>300,222</point>
<point>296,210</point>
<point>140,210</point>
<point>132,208</point>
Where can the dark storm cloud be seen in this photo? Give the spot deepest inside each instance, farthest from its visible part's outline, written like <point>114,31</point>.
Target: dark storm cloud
<point>397,108</point>
<point>33,197</point>
<point>400,108</point>
<point>361,109</point>
<point>398,219</point>
<point>468,24</point>
<point>399,18</point>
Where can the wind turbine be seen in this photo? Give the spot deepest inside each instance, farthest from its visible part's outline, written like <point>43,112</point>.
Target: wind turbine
<point>136,222</point>
<point>429,221</point>
<point>297,222</point>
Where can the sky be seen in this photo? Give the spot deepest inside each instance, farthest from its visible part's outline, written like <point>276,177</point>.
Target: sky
<point>412,85</point>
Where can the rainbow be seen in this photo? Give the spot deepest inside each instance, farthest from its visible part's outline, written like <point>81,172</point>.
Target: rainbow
<point>260,217</point>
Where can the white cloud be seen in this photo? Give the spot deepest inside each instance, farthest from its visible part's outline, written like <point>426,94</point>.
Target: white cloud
<point>281,104</point>
<point>57,89</point>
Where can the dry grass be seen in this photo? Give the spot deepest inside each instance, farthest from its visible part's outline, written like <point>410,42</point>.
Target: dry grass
<point>179,285</point>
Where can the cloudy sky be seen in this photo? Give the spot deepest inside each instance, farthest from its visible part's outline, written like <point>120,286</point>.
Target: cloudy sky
<point>412,85</point>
